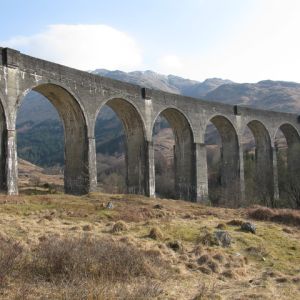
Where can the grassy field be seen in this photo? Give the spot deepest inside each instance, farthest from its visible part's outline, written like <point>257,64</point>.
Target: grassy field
<point>67,247</point>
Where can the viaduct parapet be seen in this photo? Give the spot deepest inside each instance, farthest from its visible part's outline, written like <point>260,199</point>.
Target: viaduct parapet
<point>79,96</point>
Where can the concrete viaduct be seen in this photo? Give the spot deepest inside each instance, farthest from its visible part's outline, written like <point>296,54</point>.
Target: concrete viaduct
<point>78,97</point>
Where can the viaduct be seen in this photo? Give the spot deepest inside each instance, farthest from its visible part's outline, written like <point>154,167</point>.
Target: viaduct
<point>79,96</point>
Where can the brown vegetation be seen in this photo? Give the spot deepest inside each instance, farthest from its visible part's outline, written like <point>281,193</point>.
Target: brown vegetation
<point>66,247</point>
<point>284,216</point>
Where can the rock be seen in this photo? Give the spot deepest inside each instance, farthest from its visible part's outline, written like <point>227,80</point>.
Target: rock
<point>223,238</point>
<point>109,205</point>
<point>248,227</point>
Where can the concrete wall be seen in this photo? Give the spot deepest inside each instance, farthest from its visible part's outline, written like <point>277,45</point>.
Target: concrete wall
<point>79,96</point>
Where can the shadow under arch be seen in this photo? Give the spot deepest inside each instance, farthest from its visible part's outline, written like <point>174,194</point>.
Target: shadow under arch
<point>289,177</point>
<point>184,160</point>
<point>229,193</point>
<point>76,174</point>
<point>135,144</point>
<point>263,181</point>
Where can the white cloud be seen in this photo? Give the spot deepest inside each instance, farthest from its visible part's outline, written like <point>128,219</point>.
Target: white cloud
<point>265,46</point>
<point>84,47</point>
<point>170,64</point>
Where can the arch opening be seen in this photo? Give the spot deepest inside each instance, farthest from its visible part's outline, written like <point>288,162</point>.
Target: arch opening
<point>287,145</point>
<point>120,148</point>
<point>164,141</point>
<point>223,162</point>
<point>63,146</point>
<point>258,165</point>
<point>179,173</point>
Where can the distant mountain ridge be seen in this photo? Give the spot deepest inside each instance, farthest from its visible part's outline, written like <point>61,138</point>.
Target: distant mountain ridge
<point>167,83</point>
<point>267,94</point>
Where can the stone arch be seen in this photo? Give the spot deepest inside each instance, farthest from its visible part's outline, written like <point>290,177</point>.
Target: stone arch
<point>264,175</point>
<point>135,143</point>
<point>76,173</point>
<point>292,177</point>
<point>230,163</point>
<point>184,160</point>
<point>181,112</point>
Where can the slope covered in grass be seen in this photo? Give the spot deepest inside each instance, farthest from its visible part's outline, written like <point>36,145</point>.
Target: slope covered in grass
<point>67,247</point>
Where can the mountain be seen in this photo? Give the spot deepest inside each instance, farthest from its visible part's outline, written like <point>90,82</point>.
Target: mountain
<point>37,118</point>
<point>167,83</point>
<point>267,94</point>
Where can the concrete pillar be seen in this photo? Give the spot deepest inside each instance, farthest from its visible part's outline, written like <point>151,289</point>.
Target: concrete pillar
<point>92,165</point>
<point>275,174</point>
<point>12,163</point>
<point>201,177</point>
<point>150,170</point>
<point>264,179</point>
<point>135,164</point>
<point>242,177</point>
<point>184,170</point>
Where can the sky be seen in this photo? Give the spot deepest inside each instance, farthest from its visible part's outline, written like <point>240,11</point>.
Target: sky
<point>240,40</point>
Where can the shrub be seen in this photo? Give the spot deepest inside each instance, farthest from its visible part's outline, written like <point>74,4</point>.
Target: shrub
<point>119,226</point>
<point>235,222</point>
<point>175,246</point>
<point>284,216</point>
<point>208,239</point>
<point>10,254</point>
<point>261,213</point>
<point>156,234</point>
<point>221,226</point>
<point>55,259</point>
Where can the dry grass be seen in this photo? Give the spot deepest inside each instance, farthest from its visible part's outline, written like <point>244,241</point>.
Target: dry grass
<point>156,234</point>
<point>119,226</point>
<point>69,250</point>
<point>10,256</point>
<point>95,265</point>
<point>283,216</point>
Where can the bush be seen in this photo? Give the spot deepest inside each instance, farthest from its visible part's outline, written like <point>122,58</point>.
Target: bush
<point>119,226</point>
<point>235,222</point>
<point>10,254</point>
<point>284,216</point>
<point>156,234</point>
<point>261,213</point>
<point>80,268</point>
<point>55,259</point>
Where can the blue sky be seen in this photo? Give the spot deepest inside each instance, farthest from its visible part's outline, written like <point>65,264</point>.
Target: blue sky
<point>242,40</point>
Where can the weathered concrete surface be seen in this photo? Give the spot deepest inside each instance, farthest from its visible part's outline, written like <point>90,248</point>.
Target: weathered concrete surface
<point>78,97</point>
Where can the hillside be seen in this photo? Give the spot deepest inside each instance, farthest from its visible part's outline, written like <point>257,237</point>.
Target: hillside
<point>144,248</point>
